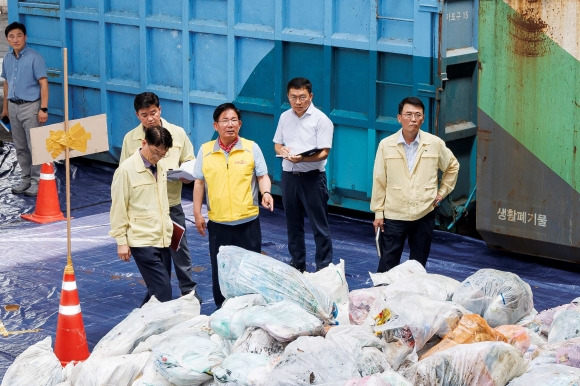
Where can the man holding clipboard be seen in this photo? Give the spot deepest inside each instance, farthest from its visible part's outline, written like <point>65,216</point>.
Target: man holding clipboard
<point>303,139</point>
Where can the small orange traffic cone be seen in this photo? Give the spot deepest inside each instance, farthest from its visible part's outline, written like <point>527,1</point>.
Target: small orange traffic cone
<point>71,341</point>
<point>47,205</point>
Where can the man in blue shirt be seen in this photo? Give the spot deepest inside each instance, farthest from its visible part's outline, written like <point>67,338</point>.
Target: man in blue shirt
<point>25,101</point>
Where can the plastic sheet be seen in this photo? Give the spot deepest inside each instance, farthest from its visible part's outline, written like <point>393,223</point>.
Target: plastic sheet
<point>33,258</point>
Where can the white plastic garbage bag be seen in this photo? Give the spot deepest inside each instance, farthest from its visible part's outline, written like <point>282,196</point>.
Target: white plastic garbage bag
<point>37,365</point>
<point>187,359</point>
<point>499,297</point>
<point>153,318</point>
<point>563,352</point>
<point>363,345</point>
<point>483,363</point>
<point>115,370</point>
<point>399,272</point>
<point>372,361</point>
<point>360,303</point>
<point>386,378</point>
<point>193,325</point>
<point>243,369</point>
<point>257,341</point>
<point>566,325</point>
<point>151,377</point>
<point>431,285</point>
<point>363,335</point>
<point>548,375</point>
<point>407,321</point>
<point>313,360</point>
<point>283,320</point>
<point>542,322</point>
<point>243,272</point>
<point>332,280</point>
<point>228,321</point>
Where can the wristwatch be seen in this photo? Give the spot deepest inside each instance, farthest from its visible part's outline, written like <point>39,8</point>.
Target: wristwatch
<point>44,109</point>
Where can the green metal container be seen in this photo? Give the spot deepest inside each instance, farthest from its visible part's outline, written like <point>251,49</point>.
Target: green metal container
<point>528,166</point>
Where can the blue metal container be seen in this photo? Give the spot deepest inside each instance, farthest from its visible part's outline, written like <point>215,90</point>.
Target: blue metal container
<point>362,57</point>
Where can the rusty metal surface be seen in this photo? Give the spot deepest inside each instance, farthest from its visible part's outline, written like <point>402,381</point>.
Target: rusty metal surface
<point>528,134</point>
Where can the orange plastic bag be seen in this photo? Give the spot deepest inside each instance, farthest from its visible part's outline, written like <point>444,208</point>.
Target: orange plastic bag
<point>471,328</point>
<point>517,336</point>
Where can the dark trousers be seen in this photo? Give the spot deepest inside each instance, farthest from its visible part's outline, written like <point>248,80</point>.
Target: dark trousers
<point>392,240</point>
<point>247,235</point>
<point>182,258</point>
<point>307,193</point>
<point>155,267</point>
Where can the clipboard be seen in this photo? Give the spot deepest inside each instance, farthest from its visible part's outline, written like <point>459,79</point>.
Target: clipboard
<point>310,152</point>
<point>178,232</point>
<point>304,153</point>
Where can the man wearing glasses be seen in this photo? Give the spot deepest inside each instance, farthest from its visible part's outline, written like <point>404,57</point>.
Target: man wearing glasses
<point>405,186</point>
<point>303,139</point>
<point>148,112</point>
<point>229,172</point>
<point>140,222</point>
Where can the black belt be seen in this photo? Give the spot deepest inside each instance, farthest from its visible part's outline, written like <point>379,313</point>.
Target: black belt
<point>299,174</point>
<point>20,101</point>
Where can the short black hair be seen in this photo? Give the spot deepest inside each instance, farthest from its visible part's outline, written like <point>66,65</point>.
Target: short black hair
<point>224,107</point>
<point>411,101</point>
<point>298,83</point>
<point>15,25</point>
<point>144,100</point>
<point>158,136</point>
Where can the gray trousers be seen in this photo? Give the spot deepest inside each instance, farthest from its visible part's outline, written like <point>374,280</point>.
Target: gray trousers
<point>182,258</point>
<point>23,118</point>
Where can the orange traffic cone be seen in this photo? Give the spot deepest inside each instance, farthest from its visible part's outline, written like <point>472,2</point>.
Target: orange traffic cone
<point>47,205</point>
<point>71,341</point>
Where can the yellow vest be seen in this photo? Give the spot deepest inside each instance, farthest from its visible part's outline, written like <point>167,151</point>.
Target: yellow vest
<point>229,184</point>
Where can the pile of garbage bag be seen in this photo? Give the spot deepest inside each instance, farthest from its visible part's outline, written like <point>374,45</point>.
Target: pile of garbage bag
<point>281,327</point>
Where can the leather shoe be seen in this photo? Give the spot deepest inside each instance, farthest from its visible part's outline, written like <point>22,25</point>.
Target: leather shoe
<point>32,191</point>
<point>24,184</point>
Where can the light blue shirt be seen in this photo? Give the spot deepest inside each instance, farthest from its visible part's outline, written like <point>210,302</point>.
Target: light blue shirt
<point>410,150</point>
<point>23,74</point>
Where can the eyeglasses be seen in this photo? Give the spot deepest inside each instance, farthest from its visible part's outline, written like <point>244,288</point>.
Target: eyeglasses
<point>158,154</point>
<point>226,121</point>
<point>301,98</point>
<point>411,115</point>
